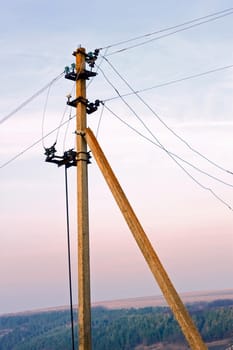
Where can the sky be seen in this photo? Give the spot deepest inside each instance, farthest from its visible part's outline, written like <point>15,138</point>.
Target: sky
<point>186,217</point>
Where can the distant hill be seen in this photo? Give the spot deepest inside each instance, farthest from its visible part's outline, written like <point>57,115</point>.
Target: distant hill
<point>127,328</point>
<point>190,297</point>
<point>140,302</point>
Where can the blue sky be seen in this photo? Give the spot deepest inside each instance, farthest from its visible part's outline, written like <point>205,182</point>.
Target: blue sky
<point>190,229</point>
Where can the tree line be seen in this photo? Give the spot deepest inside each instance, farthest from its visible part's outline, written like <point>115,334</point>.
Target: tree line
<point>116,329</point>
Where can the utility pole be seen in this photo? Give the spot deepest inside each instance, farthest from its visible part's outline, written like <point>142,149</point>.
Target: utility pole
<point>80,158</point>
<point>84,303</point>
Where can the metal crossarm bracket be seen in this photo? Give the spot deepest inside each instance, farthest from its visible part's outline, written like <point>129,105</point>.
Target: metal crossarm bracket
<point>86,74</point>
<point>68,159</point>
<point>72,74</point>
<point>91,107</point>
<point>75,102</point>
<point>91,57</point>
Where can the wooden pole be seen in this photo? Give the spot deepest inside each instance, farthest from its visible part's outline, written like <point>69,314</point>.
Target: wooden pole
<point>189,330</point>
<point>84,304</point>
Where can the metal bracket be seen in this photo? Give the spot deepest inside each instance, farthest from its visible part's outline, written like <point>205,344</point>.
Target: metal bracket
<point>91,57</point>
<point>91,107</point>
<point>84,156</point>
<point>75,102</point>
<point>68,159</point>
<point>86,74</point>
<point>80,133</point>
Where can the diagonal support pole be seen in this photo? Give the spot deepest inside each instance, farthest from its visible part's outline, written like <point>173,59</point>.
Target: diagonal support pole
<point>180,312</point>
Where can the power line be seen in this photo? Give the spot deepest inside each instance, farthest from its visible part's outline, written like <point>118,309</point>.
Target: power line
<point>49,133</point>
<point>169,34</point>
<point>34,144</point>
<point>44,112</point>
<point>97,66</point>
<point>166,29</point>
<point>66,107</point>
<point>100,119</point>
<point>171,154</point>
<point>66,131</point>
<point>30,99</point>
<point>69,258</point>
<point>171,82</point>
<point>165,124</point>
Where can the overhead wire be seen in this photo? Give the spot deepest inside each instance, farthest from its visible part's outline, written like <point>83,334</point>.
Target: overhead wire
<point>216,15</point>
<point>100,119</point>
<point>69,258</point>
<point>61,123</point>
<point>30,99</point>
<point>66,107</point>
<point>63,116</point>
<point>172,153</point>
<point>173,156</point>
<point>171,82</point>
<point>66,130</point>
<point>156,115</point>
<point>166,29</point>
<point>34,144</point>
<point>67,126</point>
<point>169,34</point>
<point>41,139</point>
<point>165,149</point>
<point>44,112</point>
<point>67,219</point>
<point>97,66</point>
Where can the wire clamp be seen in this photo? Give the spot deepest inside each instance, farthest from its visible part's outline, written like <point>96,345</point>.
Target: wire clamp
<point>91,57</point>
<point>84,156</point>
<point>91,107</point>
<point>68,159</point>
<point>80,133</point>
<point>75,102</point>
<point>50,152</point>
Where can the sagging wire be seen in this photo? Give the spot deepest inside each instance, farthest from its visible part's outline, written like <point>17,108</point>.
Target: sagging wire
<point>165,124</point>
<point>69,258</point>
<point>145,126</point>
<point>159,144</point>
<point>30,99</point>
<point>63,116</point>
<point>168,34</point>
<point>66,130</point>
<point>34,143</point>
<point>100,119</point>
<point>98,66</point>
<point>44,112</point>
<point>168,153</point>
<point>172,82</point>
<point>172,153</point>
<point>167,29</point>
<point>173,156</point>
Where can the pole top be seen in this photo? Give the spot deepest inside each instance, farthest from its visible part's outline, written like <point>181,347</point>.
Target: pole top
<point>81,50</point>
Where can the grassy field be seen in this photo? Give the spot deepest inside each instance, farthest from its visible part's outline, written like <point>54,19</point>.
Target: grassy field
<point>190,297</point>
